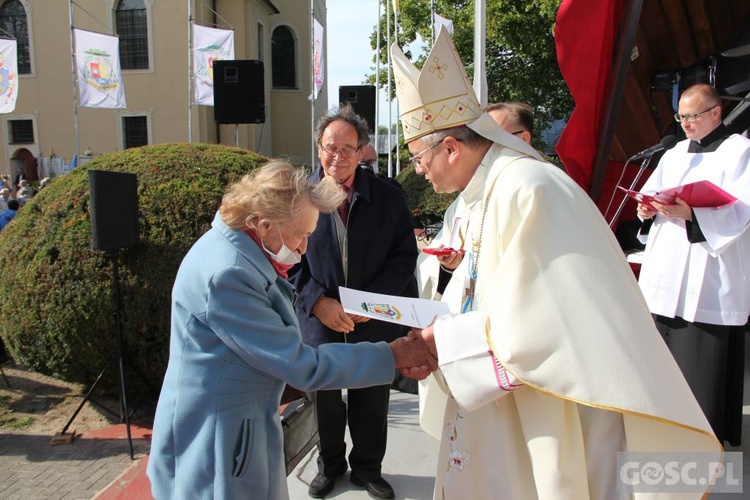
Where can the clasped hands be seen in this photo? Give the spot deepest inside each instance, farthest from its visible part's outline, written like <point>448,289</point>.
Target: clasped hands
<point>679,210</point>
<point>416,354</point>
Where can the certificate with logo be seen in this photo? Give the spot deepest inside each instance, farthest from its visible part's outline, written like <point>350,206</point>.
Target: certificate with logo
<point>417,313</point>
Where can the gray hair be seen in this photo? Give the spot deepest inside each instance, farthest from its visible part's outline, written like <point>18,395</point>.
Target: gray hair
<point>276,191</point>
<point>462,133</point>
<point>346,114</point>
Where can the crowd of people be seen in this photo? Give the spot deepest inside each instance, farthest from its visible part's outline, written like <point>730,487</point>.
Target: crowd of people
<point>550,363</point>
<point>14,196</point>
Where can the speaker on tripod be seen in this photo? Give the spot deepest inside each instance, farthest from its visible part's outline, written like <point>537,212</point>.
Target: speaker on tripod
<point>113,198</point>
<point>239,95</point>
<point>362,99</point>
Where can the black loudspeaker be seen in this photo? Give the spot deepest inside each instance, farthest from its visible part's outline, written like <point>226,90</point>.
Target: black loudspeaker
<point>239,95</point>
<point>732,75</point>
<point>114,209</point>
<point>362,99</point>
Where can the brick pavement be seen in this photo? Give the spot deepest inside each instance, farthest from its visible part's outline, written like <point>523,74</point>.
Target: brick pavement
<point>32,468</point>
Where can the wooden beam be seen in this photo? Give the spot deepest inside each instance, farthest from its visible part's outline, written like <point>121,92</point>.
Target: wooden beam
<point>614,93</point>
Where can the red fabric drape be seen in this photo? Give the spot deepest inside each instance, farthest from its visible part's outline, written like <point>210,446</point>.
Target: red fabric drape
<point>585,32</point>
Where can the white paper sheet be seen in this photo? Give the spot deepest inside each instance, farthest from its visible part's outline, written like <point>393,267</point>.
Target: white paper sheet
<point>417,313</point>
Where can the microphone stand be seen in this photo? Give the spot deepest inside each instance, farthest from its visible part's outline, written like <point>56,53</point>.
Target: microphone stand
<point>644,165</point>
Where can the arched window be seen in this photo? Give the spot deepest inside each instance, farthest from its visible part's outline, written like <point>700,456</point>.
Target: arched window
<point>131,23</point>
<point>283,58</point>
<point>13,23</point>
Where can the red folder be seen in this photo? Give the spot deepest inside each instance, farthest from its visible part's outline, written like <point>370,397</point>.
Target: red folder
<point>699,194</point>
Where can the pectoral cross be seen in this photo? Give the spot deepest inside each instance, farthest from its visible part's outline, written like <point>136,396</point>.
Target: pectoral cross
<point>469,290</point>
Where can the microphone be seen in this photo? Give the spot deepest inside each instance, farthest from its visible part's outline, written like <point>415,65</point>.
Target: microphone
<point>667,142</point>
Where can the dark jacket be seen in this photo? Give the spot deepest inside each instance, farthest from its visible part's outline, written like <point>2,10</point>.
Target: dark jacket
<point>382,257</point>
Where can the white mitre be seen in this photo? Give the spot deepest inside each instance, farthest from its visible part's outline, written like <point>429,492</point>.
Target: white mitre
<point>438,97</point>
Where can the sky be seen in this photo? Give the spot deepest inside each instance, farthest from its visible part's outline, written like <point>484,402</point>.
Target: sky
<point>350,24</point>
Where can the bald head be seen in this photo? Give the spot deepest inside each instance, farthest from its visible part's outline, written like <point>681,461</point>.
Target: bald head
<point>370,156</point>
<point>516,118</point>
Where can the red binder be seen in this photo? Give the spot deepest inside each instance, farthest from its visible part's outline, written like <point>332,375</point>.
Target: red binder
<point>699,194</point>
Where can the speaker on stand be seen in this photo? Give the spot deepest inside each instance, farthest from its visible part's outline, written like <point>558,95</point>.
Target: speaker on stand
<point>239,93</point>
<point>362,99</point>
<point>113,198</point>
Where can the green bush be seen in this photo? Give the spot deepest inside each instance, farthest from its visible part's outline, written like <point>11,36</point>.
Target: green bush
<point>56,293</point>
<point>427,206</point>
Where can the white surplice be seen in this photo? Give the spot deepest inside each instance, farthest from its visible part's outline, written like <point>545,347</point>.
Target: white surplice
<point>705,282</point>
<point>556,365</point>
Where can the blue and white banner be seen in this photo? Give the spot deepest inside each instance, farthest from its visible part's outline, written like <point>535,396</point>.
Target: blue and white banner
<point>8,75</point>
<point>209,45</point>
<point>98,70</point>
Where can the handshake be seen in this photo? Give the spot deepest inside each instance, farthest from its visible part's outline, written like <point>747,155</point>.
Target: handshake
<point>416,355</point>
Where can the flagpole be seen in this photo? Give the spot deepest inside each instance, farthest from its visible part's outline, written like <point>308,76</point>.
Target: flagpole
<point>390,106</point>
<point>190,71</point>
<point>480,52</point>
<point>377,85</point>
<point>432,20</point>
<point>75,80</point>
<point>395,39</point>
<point>312,82</point>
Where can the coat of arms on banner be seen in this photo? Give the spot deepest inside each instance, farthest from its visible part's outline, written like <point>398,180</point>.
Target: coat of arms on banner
<point>8,80</point>
<point>99,70</point>
<point>8,76</point>
<point>207,57</point>
<point>209,45</point>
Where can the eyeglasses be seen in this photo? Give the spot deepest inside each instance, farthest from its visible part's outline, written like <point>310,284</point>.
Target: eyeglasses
<point>343,152</point>
<point>691,118</point>
<point>517,132</point>
<point>414,160</point>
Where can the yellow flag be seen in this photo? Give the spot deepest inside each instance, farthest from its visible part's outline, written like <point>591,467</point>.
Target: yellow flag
<point>395,6</point>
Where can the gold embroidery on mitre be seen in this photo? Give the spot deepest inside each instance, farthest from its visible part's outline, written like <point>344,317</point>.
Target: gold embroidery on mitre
<point>440,96</point>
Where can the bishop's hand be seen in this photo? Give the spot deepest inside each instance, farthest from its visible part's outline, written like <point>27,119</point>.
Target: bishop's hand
<point>413,357</point>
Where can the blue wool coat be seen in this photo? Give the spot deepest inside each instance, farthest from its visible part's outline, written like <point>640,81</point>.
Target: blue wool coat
<point>235,341</point>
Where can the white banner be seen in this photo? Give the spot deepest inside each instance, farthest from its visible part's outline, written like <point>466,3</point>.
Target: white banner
<point>8,75</point>
<point>209,45</point>
<point>318,61</point>
<point>98,70</point>
<point>442,21</point>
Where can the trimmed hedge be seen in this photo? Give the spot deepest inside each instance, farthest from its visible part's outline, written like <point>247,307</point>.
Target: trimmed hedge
<point>56,293</point>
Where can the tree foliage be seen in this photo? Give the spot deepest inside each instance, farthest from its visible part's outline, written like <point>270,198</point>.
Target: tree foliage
<point>521,58</point>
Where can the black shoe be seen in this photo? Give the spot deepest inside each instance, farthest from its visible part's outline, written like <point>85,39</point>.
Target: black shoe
<point>377,488</point>
<point>323,485</point>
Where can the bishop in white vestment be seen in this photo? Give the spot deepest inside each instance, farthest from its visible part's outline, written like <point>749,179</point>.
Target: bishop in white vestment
<point>550,363</point>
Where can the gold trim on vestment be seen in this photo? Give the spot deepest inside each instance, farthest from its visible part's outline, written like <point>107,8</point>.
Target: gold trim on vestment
<point>598,406</point>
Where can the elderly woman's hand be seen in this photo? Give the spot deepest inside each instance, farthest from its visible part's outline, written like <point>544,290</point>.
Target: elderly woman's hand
<point>414,357</point>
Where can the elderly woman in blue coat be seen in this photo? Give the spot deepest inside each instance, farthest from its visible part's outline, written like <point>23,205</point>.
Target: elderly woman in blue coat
<point>235,342</point>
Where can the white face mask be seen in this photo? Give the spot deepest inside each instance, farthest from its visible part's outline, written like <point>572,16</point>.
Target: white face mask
<point>286,255</point>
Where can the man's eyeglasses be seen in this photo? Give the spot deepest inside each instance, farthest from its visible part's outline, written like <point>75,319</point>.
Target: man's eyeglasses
<point>414,160</point>
<point>691,118</point>
<point>517,132</point>
<point>343,152</point>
